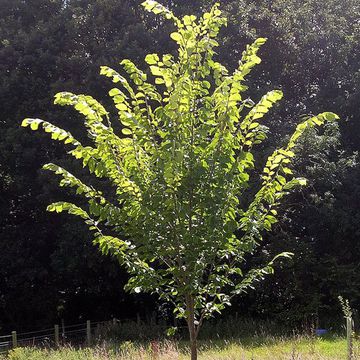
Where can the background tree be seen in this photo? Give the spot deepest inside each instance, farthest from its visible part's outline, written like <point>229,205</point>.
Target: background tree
<point>47,47</point>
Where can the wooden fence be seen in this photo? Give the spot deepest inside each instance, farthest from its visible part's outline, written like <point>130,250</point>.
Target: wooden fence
<point>79,334</point>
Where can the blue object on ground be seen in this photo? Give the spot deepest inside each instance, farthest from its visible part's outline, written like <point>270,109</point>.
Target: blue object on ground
<point>320,332</point>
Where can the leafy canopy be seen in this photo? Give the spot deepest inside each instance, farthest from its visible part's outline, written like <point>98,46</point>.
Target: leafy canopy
<point>179,169</point>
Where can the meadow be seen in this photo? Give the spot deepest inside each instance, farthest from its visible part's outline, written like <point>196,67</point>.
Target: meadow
<point>254,348</point>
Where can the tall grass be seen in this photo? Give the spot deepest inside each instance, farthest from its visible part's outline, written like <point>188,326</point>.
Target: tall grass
<point>256,348</point>
<point>225,328</point>
<point>230,339</point>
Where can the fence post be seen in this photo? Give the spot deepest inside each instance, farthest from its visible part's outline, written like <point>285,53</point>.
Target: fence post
<point>138,319</point>
<point>153,318</point>
<point>57,335</point>
<point>349,331</point>
<point>14,339</point>
<point>88,332</point>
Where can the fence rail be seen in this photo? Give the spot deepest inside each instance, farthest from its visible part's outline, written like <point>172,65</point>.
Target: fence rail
<point>79,334</point>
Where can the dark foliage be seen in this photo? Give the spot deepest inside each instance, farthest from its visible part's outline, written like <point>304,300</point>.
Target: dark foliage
<point>313,54</point>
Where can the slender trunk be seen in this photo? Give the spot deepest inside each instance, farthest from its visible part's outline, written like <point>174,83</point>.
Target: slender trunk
<point>192,327</point>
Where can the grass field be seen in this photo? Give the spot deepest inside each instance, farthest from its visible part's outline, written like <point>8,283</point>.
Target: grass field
<point>256,348</point>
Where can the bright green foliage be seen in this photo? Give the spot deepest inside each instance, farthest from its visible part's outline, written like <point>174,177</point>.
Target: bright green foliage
<point>180,168</point>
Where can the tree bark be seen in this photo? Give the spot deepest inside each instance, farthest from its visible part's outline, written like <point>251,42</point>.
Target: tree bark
<point>192,327</point>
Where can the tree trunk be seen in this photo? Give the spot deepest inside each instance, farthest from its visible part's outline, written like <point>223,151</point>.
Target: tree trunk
<point>192,327</point>
<point>193,345</point>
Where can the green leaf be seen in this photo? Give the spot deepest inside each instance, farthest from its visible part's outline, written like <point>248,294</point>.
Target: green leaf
<point>302,181</point>
<point>156,71</point>
<point>176,37</point>
<point>330,116</point>
<point>171,331</point>
<point>159,81</point>
<point>34,126</point>
<point>25,123</point>
<point>114,92</point>
<point>126,131</point>
<point>152,59</point>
